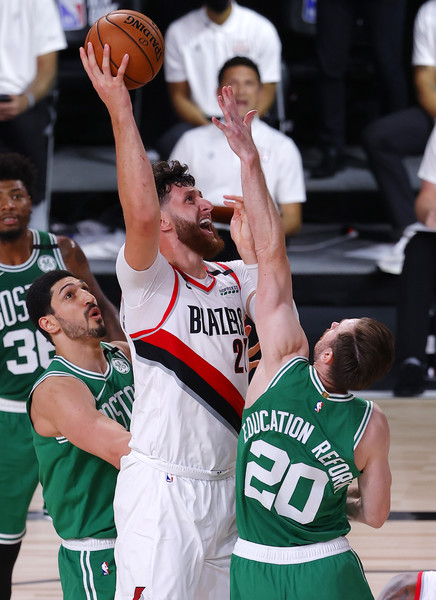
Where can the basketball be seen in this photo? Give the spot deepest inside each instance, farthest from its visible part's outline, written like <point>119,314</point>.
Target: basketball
<point>129,32</point>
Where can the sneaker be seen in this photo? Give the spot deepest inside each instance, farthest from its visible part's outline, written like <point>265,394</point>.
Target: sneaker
<point>411,379</point>
<point>392,261</point>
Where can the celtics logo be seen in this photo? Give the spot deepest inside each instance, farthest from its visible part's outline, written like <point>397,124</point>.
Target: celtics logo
<point>122,366</point>
<point>46,263</point>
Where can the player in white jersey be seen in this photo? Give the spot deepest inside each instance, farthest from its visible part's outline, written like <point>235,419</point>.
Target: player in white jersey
<point>174,504</point>
<point>413,585</point>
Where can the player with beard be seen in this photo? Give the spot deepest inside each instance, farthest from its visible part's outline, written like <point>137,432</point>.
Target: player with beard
<point>184,316</point>
<point>80,410</point>
<point>24,353</point>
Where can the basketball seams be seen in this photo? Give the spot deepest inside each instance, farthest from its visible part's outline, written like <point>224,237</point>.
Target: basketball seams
<point>138,46</point>
<point>102,31</point>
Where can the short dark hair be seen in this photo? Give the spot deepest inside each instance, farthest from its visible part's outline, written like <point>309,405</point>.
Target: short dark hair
<point>38,299</point>
<point>18,168</point>
<point>362,356</point>
<point>169,173</point>
<point>237,61</point>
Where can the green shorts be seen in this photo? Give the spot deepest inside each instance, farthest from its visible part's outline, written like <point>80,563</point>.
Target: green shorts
<point>336,577</point>
<point>18,475</point>
<point>87,574</point>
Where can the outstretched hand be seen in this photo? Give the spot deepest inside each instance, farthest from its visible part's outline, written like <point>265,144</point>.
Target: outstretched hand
<point>112,90</point>
<point>236,129</point>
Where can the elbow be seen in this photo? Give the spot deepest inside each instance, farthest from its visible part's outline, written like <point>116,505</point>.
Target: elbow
<point>379,518</point>
<point>292,229</point>
<point>377,522</point>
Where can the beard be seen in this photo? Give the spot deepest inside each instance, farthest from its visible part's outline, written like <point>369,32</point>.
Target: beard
<point>192,236</point>
<point>76,331</point>
<point>10,235</point>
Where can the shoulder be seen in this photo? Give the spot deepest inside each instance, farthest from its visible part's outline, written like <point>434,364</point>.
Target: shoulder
<point>184,24</point>
<point>191,137</point>
<point>255,19</point>
<point>274,135</point>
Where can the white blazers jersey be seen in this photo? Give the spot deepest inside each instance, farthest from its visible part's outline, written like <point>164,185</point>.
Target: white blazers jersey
<point>190,358</point>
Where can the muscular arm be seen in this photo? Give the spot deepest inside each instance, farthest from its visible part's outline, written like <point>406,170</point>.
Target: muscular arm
<point>369,502</point>
<point>136,185</point>
<point>425,204</point>
<point>279,330</point>
<point>64,406</point>
<point>186,109</point>
<point>76,262</point>
<point>425,85</point>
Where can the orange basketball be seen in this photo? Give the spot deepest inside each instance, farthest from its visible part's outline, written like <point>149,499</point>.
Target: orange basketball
<point>129,32</point>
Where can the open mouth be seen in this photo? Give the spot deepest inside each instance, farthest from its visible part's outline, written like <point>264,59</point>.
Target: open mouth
<point>9,220</point>
<point>94,312</point>
<point>206,225</point>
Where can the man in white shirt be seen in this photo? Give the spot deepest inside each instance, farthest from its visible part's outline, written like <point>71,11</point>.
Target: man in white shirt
<point>30,37</point>
<point>206,151</point>
<point>198,44</point>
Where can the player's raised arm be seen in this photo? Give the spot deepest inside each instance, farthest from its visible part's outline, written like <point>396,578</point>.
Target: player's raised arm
<point>280,333</point>
<point>136,186</point>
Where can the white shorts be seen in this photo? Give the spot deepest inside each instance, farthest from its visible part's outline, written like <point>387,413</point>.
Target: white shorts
<point>175,534</point>
<point>427,590</point>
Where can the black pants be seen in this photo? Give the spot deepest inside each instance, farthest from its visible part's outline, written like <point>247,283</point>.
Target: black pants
<point>416,296</point>
<point>29,134</point>
<point>335,27</point>
<point>387,141</point>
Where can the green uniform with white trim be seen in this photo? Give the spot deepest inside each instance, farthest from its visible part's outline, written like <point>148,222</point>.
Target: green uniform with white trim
<point>78,487</point>
<point>24,354</point>
<point>294,464</point>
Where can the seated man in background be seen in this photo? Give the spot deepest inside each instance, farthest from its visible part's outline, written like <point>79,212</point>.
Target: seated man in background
<point>196,46</point>
<point>218,173</point>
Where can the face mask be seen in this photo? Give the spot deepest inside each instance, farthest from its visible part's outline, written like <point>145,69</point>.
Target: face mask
<point>217,6</point>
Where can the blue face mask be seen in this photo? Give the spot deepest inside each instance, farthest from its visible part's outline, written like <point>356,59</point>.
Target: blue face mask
<point>218,6</point>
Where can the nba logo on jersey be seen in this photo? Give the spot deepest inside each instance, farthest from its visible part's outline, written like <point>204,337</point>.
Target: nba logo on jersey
<point>318,406</point>
<point>105,568</point>
<point>169,478</point>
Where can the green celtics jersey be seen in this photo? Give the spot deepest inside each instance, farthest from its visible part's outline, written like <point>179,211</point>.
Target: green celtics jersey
<point>78,487</point>
<point>24,351</point>
<point>296,458</point>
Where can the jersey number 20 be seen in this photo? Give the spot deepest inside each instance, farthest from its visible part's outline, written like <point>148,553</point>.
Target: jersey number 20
<point>289,478</point>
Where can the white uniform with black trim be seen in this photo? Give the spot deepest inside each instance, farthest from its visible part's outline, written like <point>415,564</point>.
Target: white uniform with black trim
<point>174,503</point>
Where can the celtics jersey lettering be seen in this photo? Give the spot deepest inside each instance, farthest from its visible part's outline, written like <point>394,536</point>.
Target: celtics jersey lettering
<point>296,459</point>
<point>78,487</point>
<point>24,351</point>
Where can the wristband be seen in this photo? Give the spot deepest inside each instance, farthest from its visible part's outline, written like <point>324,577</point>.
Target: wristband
<point>30,99</point>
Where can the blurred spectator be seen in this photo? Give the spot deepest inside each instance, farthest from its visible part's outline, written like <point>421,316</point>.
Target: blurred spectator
<point>30,38</point>
<point>198,44</point>
<point>336,20</point>
<point>405,133</point>
<point>417,284</point>
<point>206,151</point>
